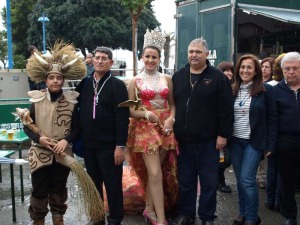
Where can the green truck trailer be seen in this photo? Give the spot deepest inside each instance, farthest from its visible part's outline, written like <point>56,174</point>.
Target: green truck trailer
<point>236,27</point>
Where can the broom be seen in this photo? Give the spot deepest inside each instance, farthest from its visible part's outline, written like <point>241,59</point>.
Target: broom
<point>93,203</point>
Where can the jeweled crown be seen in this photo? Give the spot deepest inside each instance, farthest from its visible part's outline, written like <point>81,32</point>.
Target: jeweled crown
<point>154,38</point>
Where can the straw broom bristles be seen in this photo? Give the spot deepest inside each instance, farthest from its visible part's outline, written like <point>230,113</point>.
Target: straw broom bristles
<point>93,203</point>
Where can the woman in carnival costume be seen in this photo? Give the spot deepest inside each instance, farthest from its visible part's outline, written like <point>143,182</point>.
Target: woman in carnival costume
<point>151,141</point>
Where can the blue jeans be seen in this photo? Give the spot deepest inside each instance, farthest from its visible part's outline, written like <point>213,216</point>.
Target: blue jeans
<point>198,160</point>
<point>245,160</point>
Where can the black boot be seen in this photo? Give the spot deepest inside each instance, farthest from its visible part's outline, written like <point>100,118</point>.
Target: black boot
<point>184,220</point>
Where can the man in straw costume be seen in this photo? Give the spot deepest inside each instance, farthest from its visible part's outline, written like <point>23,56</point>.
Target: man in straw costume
<point>53,113</point>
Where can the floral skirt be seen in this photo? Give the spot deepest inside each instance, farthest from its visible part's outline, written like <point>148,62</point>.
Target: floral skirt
<point>146,137</point>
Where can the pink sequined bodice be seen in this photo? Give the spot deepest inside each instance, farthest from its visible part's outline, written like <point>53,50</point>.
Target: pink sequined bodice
<point>148,94</point>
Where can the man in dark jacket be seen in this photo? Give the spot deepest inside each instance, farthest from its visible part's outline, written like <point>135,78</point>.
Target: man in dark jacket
<point>104,129</point>
<point>203,122</point>
<point>287,94</point>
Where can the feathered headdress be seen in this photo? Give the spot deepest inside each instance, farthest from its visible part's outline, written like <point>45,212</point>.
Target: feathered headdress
<point>62,60</point>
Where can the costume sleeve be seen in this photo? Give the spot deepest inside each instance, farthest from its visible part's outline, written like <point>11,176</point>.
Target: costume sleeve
<point>75,128</point>
<point>121,113</point>
<point>224,108</point>
<point>33,136</point>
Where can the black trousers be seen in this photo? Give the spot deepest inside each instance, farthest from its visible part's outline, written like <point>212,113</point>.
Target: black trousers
<point>49,187</point>
<point>288,162</point>
<point>223,166</point>
<point>101,167</point>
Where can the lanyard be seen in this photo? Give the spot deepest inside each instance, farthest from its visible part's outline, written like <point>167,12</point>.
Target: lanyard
<point>96,95</point>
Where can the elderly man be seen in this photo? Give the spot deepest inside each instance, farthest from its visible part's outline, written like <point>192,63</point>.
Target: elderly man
<point>104,129</point>
<point>203,122</point>
<point>287,94</point>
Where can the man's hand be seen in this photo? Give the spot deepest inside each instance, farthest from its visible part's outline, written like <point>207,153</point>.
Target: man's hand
<point>46,143</point>
<point>221,143</point>
<point>119,155</point>
<point>60,146</point>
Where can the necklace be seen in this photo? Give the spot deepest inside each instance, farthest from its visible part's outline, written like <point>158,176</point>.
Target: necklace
<point>191,83</point>
<point>244,99</point>
<point>244,88</point>
<point>96,94</point>
<point>152,80</point>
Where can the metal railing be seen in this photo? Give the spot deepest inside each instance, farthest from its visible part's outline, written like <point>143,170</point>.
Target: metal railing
<point>126,75</point>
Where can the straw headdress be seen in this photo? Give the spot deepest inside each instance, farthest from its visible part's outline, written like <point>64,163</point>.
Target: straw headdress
<point>62,60</point>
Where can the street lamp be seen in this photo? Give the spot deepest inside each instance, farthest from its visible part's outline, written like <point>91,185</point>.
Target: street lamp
<point>44,19</point>
<point>9,37</point>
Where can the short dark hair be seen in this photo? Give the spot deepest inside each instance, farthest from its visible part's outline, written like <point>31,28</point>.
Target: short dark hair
<point>223,66</point>
<point>105,50</point>
<point>270,60</point>
<point>153,47</point>
<point>31,48</point>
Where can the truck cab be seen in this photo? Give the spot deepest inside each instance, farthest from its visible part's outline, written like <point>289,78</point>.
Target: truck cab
<point>236,27</point>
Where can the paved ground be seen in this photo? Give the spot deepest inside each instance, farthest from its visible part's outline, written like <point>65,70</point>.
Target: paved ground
<point>227,208</point>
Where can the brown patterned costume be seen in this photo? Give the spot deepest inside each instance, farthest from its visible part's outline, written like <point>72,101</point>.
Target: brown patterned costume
<point>52,115</point>
<point>57,126</point>
<point>49,175</point>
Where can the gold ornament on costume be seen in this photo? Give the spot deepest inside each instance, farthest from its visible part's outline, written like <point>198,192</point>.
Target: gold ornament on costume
<point>62,60</point>
<point>137,104</point>
<point>155,39</point>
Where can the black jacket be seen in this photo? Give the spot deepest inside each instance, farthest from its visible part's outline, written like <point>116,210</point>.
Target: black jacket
<point>263,120</point>
<point>110,126</point>
<point>205,111</point>
<point>288,106</point>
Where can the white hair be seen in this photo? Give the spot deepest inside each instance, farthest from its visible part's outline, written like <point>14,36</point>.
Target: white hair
<point>200,41</point>
<point>290,56</point>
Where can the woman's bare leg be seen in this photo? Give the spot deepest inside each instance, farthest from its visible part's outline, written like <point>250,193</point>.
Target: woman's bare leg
<point>154,191</point>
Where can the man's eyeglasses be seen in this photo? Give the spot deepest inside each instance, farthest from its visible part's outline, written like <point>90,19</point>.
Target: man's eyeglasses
<point>288,69</point>
<point>103,59</point>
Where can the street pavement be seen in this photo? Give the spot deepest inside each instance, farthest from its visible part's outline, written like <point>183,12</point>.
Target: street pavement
<point>227,207</point>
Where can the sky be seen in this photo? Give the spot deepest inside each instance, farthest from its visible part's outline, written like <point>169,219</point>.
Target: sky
<point>164,12</point>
